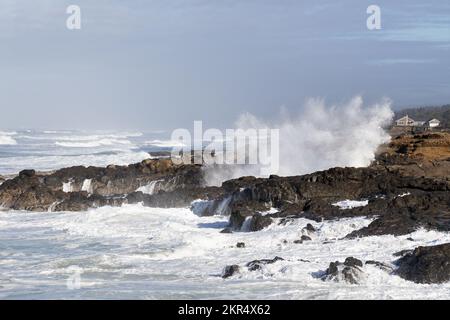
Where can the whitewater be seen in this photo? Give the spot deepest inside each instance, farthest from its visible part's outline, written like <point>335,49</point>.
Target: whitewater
<point>45,150</point>
<point>135,252</point>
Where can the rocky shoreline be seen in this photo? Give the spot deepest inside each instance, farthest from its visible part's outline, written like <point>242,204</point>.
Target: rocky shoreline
<point>406,188</point>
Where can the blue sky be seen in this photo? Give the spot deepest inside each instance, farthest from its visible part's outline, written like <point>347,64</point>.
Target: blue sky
<point>162,64</point>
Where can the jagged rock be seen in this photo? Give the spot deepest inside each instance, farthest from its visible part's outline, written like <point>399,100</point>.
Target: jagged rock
<point>402,253</point>
<point>406,214</point>
<point>241,211</point>
<point>259,222</point>
<point>40,191</point>
<point>350,271</point>
<point>426,264</point>
<point>352,262</point>
<point>27,173</point>
<point>380,265</point>
<point>258,264</point>
<point>179,198</point>
<point>226,230</point>
<point>309,227</point>
<point>303,238</point>
<point>229,271</point>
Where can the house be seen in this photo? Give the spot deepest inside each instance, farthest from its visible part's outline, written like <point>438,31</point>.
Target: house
<point>433,123</point>
<point>406,121</point>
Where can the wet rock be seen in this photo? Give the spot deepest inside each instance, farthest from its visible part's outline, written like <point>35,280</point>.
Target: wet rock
<point>180,198</point>
<point>302,239</point>
<point>353,262</point>
<point>350,271</point>
<point>380,265</point>
<point>27,173</point>
<point>241,211</point>
<point>310,228</point>
<point>259,222</point>
<point>240,245</point>
<point>402,253</point>
<point>258,264</point>
<point>30,190</point>
<point>426,264</point>
<point>229,271</point>
<point>305,238</point>
<point>404,215</point>
<point>226,230</point>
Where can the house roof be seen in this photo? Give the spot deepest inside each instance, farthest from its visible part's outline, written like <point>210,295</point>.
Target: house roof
<point>405,118</point>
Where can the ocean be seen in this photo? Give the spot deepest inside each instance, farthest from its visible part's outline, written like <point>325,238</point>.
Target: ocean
<point>135,252</point>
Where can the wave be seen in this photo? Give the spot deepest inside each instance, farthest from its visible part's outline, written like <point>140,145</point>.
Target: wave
<point>92,143</point>
<point>66,136</point>
<point>165,143</point>
<point>319,137</point>
<point>56,132</point>
<point>6,139</point>
<point>13,165</point>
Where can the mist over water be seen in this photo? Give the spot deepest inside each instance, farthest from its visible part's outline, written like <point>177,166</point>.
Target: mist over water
<point>318,137</point>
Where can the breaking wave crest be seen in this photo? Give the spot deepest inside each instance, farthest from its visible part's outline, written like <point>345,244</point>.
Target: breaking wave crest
<point>6,139</point>
<point>318,137</point>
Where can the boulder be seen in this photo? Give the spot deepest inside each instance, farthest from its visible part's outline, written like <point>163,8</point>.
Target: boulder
<point>229,271</point>
<point>350,271</point>
<point>426,264</point>
<point>240,245</point>
<point>258,264</point>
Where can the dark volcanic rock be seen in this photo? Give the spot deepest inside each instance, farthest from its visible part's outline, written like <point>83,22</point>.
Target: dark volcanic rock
<point>350,271</point>
<point>402,253</point>
<point>353,262</point>
<point>94,186</point>
<point>229,271</point>
<point>27,173</point>
<point>258,264</point>
<point>240,245</point>
<point>426,264</point>
<point>406,214</point>
<point>309,227</point>
<point>178,198</point>
<point>259,222</point>
<point>380,265</point>
<point>305,238</point>
<point>302,239</point>
<point>241,210</point>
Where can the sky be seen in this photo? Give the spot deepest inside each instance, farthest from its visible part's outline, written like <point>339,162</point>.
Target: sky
<point>161,64</point>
